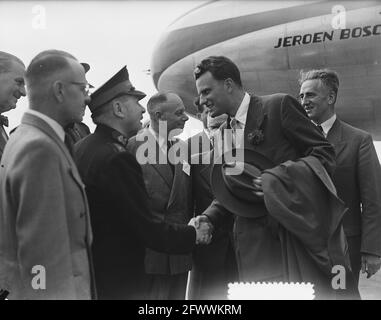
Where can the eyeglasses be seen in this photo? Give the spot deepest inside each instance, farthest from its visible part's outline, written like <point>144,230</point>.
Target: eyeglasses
<point>85,87</point>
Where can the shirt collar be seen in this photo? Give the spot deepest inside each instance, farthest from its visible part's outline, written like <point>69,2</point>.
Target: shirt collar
<point>57,128</point>
<point>241,114</point>
<point>327,125</point>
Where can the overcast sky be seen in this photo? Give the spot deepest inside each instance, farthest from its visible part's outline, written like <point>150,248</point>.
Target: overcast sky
<point>106,34</point>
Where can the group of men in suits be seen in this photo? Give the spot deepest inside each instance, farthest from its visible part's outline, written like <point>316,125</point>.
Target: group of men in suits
<point>102,221</point>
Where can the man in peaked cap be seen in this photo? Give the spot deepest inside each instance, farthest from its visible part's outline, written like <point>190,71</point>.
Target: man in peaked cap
<point>121,219</point>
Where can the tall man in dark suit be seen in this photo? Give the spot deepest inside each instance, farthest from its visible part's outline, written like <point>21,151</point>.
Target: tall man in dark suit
<point>45,233</point>
<point>214,265</point>
<point>12,87</point>
<point>275,126</point>
<point>121,219</point>
<point>358,174</point>
<point>169,188</point>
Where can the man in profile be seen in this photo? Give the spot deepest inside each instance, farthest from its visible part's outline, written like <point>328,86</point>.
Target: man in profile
<point>278,128</point>
<point>45,234</point>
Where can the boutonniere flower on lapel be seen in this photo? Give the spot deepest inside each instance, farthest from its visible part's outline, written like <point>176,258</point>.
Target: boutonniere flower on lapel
<point>256,136</point>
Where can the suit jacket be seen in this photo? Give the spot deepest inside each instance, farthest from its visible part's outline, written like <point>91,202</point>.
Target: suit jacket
<point>44,216</point>
<point>169,201</point>
<point>121,219</point>
<point>358,182</point>
<point>288,135</point>
<point>214,265</point>
<point>199,144</point>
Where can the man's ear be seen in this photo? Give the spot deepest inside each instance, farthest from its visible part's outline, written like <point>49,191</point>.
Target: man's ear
<point>332,97</point>
<point>228,84</point>
<point>117,109</point>
<point>58,90</point>
<point>158,115</point>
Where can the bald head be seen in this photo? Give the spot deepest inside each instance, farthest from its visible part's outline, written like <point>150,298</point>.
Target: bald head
<point>162,101</point>
<point>47,64</point>
<point>167,107</point>
<point>57,86</point>
<point>7,60</point>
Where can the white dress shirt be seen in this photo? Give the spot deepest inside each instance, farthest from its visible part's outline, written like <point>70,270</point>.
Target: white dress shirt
<point>327,125</point>
<point>239,120</point>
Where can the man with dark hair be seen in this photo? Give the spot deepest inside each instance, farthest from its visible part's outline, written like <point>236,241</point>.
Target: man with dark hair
<point>12,87</point>
<point>45,225</point>
<point>358,174</point>
<point>169,188</point>
<point>119,204</point>
<point>282,132</point>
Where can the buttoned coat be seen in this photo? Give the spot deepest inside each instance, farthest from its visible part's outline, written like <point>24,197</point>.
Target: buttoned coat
<point>44,218</point>
<point>358,181</point>
<point>122,223</point>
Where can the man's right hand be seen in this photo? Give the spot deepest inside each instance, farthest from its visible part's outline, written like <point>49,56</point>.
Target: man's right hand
<point>203,228</point>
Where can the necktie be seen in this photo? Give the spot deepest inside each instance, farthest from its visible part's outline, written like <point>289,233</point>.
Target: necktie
<point>69,144</point>
<point>234,125</point>
<point>321,129</point>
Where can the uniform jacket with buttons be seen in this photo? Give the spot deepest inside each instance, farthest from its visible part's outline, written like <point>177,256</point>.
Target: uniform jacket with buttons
<point>120,215</point>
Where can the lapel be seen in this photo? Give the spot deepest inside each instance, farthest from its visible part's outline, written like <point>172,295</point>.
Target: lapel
<point>335,137</point>
<point>206,168</point>
<point>162,169</point>
<point>3,139</point>
<point>176,182</point>
<point>204,136</point>
<point>39,123</point>
<point>255,120</point>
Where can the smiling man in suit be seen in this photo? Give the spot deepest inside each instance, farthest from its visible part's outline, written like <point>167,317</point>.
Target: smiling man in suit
<point>12,87</point>
<point>169,189</point>
<point>44,216</point>
<point>358,174</point>
<point>275,126</point>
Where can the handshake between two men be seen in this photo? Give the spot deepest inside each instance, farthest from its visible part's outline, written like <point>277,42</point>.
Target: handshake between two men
<point>204,229</point>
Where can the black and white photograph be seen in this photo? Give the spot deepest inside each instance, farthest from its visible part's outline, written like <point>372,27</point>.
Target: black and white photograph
<point>190,153</point>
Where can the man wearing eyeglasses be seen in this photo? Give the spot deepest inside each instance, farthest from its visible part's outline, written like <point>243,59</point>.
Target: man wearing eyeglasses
<point>45,234</point>
<point>12,88</point>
